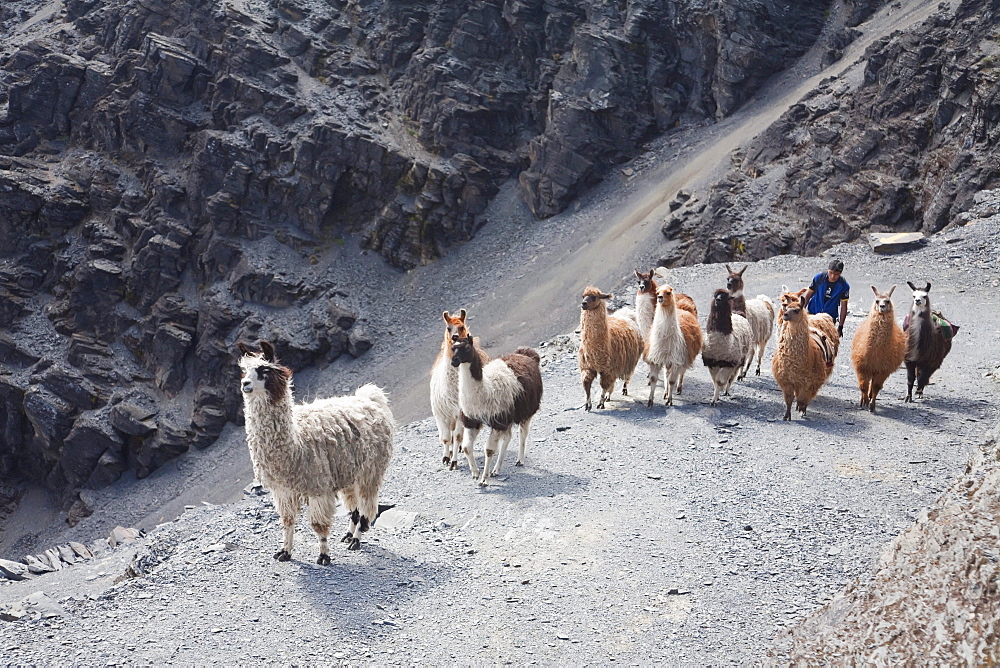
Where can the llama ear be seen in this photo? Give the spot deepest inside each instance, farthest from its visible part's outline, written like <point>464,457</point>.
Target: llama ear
<point>637,274</point>
<point>875,290</point>
<point>890,291</point>
<point>243,348</point>
<point>461,314</point>
<point>802,300</point>
<point>928,288</point>
<point>446,317</point>
<point>729,269</point>
<point>784,288</point>
<point>912,286</point>
<point>743,269</point>
<point>606,296</point>
<point>268,350</point>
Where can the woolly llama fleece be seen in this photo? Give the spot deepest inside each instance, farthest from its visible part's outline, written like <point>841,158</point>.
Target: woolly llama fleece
<point>312,453</point>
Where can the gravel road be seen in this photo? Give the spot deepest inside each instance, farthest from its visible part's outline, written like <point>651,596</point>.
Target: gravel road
<point>689,534</point>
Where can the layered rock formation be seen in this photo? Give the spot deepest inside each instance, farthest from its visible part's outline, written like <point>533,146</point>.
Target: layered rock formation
<point>155,154</point>
<point>903,148</point>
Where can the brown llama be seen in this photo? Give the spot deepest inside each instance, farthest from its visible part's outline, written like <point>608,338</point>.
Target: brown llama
<point>610,346</point>
<point>878,348</point>
<point>927,342</point>
<point>674,343</point>
<point>804,358</point>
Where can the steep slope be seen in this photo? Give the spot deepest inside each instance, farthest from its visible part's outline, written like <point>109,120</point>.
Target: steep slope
<point>901,146</point>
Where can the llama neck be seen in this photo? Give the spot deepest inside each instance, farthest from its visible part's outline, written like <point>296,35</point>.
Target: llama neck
<point>794,336</point>
<point>737,302</point>
<point>920,326</point>
<point>720,319</point>
<point>272,435</point>
<point>594,332</point>
<point>645,310</point>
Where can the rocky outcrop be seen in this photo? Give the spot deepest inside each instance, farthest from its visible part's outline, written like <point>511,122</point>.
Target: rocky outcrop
<point>153,153</point>
<point>905,149</point>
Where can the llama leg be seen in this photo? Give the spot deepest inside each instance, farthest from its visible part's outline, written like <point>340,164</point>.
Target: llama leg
<point>320,512</point>
<point>760,356</point>
<point>491,450</point>
<point>504,442</point>
<point>522,434</point>
<point>875,389</point>
<point>446,430</point>
<point>654,376</point>
<point>468,440</point>
<point>366,512</point>
<point>288,508</point>
<point>923,378</point>
<point>863,387</point>
<point>607,387</point>
<point>671,382</point>
<point>350,505</point>
<point>680,381</point>
<point>588,377</point>
<point>911,371</point>
<point>789,396</point>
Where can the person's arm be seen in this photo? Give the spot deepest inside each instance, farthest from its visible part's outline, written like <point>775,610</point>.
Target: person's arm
<point>843,315</point>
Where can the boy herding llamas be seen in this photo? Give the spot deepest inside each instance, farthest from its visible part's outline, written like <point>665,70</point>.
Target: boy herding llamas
<point>311,453</point>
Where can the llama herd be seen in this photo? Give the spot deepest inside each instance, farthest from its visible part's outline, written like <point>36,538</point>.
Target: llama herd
<point>338,449</point>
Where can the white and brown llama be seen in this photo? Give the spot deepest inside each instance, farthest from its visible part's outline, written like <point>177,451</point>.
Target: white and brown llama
<point>452,426</point>
<point>610,346</point>
<point>645,301</point>
<point>878,348</point>
<point>674,343</point>
<point>501,393</point>
<point>309,454</point>
<point>728,343</point>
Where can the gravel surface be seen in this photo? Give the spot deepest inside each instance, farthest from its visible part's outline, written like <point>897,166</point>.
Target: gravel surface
<point>692,534</point>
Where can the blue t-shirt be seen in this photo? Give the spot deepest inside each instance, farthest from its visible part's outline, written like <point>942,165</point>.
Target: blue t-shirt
<point>827,296</point>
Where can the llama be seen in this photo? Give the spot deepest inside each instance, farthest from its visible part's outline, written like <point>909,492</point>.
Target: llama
<point>444,393</point>
<point>674,343</point>
<point>728,342</point>
<point>311,453</point>
<point>501,393</point>
<point>758,311</point>
<point>820,321</point>
<point>878,348</point>
<point>609,345</point>
<point>927,342</point>
<point>804,357</point>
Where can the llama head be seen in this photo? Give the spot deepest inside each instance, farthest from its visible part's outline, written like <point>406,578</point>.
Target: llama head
<point>593,298</point>
<point>734,282</point>
<point>921,299</point>
<point>647,285</point>
<point>720,314</point>
<point>261,375</point>
<point>665,298</point>
<point>462,350</point>
<point>793,305</point>
<point>455,327</point>
<point>883,301</point>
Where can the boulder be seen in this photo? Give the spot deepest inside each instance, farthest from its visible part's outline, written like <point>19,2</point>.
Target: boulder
<point>91,437</point>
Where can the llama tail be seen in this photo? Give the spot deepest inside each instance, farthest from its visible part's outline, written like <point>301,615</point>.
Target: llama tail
<point>528,352</point>
<point>373,392</point>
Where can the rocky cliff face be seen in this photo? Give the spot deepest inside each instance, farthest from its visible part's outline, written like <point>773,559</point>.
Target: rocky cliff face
<point>904,148</point>
<point>156,156</point>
